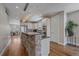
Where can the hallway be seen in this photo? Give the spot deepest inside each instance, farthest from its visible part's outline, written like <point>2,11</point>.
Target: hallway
<point>15,48</point>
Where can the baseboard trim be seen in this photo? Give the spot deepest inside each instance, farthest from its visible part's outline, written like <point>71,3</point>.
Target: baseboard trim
<point>5,47</point>
<point>61,43</point>
<point>73,44</point>
<point>58,43</point>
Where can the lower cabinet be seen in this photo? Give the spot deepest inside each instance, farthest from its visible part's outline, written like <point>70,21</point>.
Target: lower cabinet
<point>45,46</point>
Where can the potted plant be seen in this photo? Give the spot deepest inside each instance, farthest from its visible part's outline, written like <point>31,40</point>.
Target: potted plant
<point>70,28</point>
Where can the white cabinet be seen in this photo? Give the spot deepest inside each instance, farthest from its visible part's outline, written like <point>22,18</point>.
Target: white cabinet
<point>45,46</point>
<point>46,22</point>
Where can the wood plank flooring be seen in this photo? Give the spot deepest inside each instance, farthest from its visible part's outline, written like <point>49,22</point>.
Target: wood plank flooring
<point>60,50</point>
<point>15,48</point>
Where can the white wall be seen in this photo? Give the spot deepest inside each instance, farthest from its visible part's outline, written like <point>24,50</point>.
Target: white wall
<point>4,29</point>
<point>57,28</point>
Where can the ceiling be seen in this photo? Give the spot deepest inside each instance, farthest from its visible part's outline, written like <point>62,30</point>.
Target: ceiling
<point>15,10</point>
<point>44,8</point>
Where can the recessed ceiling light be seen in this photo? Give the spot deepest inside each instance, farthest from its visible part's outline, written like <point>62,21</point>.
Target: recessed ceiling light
<point>16,17</point>
<point>17,7</point>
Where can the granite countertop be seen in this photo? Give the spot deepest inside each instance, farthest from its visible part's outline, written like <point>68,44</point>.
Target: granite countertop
<point>46,37</point>
<point>32,33</point>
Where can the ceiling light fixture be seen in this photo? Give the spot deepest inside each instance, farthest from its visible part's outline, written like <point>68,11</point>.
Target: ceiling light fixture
<point>35,18</point>
<point>17,7</point>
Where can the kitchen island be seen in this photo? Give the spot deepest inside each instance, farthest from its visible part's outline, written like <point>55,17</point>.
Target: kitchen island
<point>32,42</point>
<point>35,44</point>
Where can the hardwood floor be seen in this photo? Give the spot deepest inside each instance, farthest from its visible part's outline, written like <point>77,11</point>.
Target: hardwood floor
<point>60,50</point>
<point>15,48</point>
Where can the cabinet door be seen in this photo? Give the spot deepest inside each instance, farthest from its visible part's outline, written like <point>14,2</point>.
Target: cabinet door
<point>32,50</point>
<point>45,47</point>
